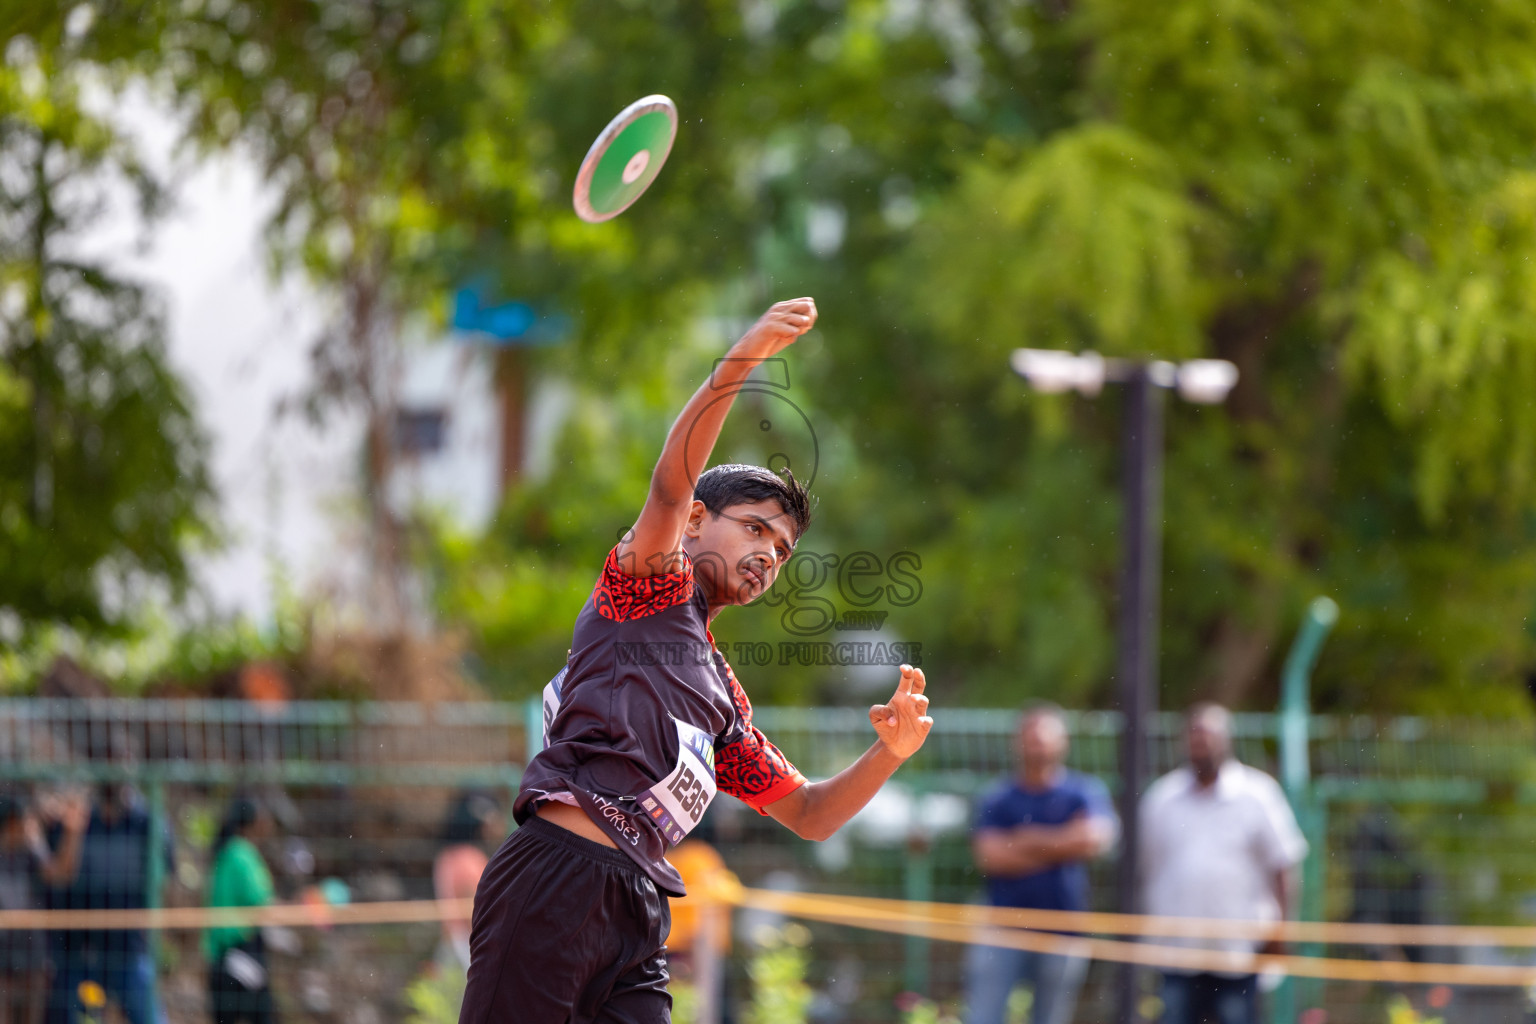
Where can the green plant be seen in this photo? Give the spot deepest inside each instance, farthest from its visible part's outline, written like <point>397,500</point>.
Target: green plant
<point>155,645</point>
<point>435,998</point>
<point>779,992</point>
<point>1400,1011</point>
<point>685,1001</point>
<point>1019,1002</point>
<point>919,1010</point>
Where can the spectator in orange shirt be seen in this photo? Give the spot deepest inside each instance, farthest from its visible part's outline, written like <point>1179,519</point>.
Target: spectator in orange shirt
<point>475,821</point>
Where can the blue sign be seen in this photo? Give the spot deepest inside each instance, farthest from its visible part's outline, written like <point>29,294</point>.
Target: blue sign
<point>506,323</point>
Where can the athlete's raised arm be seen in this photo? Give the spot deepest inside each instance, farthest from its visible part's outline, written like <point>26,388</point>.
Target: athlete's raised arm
<point>652,546</point>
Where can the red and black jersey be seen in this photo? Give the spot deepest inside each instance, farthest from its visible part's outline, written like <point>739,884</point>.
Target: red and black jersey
<point>646,720</point>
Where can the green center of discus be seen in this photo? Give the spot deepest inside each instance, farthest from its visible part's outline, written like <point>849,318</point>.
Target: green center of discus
<point>650,132</point>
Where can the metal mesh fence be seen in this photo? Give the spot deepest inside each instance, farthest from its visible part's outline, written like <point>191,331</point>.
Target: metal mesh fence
<point>361,799</point>
<point>1410,821</point>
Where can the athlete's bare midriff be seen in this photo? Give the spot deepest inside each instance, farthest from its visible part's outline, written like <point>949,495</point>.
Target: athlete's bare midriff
<point>573,819</point>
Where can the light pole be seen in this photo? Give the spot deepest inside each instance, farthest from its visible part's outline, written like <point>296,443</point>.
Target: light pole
<point>1204,381</point>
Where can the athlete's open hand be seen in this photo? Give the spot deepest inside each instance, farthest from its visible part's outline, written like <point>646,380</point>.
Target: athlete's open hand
<point>903,724</point>
<point>777,329</point>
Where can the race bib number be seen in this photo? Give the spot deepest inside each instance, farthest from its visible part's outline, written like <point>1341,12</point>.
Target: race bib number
<point>552,690</point>
<point>677,803</point>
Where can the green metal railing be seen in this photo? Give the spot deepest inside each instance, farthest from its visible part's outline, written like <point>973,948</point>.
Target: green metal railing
<point>1393,808</point>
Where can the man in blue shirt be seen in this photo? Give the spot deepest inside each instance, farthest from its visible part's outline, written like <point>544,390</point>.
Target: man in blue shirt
<point>1034,833</point>
<point>113,875</point>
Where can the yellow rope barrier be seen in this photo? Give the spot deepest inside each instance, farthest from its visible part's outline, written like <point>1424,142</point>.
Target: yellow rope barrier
<point>831,911</point>
<point>294,915</point>
<point>1337,933</point>
<point>1035,931</point>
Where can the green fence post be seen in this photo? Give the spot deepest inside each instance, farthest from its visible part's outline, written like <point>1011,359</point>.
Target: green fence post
<point>533,742</point>
<point>1296,773</point>
<point>1295,699</point>
<point>917,886</point>
<point>1314,876</point>
<point>533,725</point>
<point>154,871</point>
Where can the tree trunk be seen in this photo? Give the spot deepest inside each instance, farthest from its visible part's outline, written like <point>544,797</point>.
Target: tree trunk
<point>1239,652</point>
<point>37,361</point>
<point>366,335</point>
<point>512,388</point>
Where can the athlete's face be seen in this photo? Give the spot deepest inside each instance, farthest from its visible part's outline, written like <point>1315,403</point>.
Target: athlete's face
<point>738,554</point>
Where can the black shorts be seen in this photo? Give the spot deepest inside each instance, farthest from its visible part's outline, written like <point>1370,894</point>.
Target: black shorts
<point>230,1001</point>
<point>566,931</point>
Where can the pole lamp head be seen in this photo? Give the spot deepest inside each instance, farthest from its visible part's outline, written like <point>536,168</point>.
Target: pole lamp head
<point>1051,371</point>
<point>1206,381</point>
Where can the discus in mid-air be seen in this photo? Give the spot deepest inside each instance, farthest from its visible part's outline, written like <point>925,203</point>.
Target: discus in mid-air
<point>625,159</point>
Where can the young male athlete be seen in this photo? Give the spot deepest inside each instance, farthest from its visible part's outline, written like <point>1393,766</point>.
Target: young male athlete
<point>643,724</point>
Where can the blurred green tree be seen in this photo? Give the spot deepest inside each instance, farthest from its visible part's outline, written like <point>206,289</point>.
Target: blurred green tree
<point>1331,199</point>
<point>340,105</point>
<point>1334,201</point>
<point>103,487</point>
<point>1338,200</point>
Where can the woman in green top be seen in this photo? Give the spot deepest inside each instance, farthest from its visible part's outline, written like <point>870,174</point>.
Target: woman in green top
<point>239,985</point>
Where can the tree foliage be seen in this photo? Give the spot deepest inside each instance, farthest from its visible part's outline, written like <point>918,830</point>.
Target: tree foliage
<point>1336,199</point>
<point>102,482</point>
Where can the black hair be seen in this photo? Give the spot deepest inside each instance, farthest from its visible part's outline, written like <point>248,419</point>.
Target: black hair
<point>241,814</point>
<point>466,822</point>
<point>735,483</point>
<point>13,804</point>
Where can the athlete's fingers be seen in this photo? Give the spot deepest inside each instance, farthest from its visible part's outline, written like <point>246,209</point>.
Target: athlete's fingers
<point>801,313</point>
<point>792,323</point>
<point>792,317</point>
<point>920,703</point>
<point>882,714</point>
<point>908,710</point>
<point>800,307</point>
<point>904,685</point>
<point>919,681</point>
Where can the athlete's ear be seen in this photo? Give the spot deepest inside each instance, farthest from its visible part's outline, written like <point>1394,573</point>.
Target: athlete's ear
<point>695,524</point>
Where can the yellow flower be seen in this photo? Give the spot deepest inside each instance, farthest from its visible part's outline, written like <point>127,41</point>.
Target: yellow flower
<point>92,994</point>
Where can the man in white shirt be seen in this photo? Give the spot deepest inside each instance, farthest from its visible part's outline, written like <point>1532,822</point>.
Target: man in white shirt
<point>1217,840</point>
